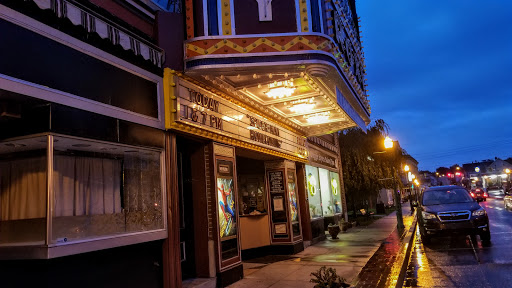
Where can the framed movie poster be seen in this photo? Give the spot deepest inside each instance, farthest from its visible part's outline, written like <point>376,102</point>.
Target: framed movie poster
<point>225,189</point>
<point>226,199</point>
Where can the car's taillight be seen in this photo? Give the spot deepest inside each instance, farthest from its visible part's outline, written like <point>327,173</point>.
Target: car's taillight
<point>485,195</point>
<point>472,194</point>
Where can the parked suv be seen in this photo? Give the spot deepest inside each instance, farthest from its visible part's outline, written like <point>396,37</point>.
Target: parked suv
<point>445,210</point>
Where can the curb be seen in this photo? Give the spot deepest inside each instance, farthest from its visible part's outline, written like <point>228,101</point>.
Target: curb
<point>409,241</point>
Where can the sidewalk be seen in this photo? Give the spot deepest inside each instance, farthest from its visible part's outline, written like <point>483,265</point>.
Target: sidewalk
<point>348,255</point>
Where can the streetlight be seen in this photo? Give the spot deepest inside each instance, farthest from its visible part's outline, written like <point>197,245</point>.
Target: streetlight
<point>389,144</point>
<point>406,168</point>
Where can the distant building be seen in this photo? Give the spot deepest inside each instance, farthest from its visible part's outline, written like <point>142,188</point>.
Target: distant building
<point>489,173</point>
<point>428,178</point>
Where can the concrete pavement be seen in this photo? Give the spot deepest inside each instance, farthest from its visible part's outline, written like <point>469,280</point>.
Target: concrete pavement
<point>348,255</point>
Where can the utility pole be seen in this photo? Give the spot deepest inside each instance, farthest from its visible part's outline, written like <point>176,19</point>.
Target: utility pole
<point>398,202</point>
<point>397,163</point>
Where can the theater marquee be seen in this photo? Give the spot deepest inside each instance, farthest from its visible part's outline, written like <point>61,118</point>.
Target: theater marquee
<point>200,108</point>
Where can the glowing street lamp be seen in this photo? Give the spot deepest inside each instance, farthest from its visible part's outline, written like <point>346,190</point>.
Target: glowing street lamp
<point>388,142</point>
<point>406,168</point>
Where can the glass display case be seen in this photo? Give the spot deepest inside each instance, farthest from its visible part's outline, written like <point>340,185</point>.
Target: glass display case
<point>104,189</point>
<point>313,190</point>
<point>57,191</point>
<point>23,191</point>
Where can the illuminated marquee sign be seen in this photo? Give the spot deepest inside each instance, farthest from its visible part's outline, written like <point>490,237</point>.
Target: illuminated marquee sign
<point>208,111</point>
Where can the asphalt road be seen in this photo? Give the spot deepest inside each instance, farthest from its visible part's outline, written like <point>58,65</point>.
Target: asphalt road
<point>460,261</point>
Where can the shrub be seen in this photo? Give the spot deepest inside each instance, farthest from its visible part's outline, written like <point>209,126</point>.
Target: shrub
<point>327,278</point>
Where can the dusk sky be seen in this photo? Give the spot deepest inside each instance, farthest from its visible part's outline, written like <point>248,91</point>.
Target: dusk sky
<point>440,74</point>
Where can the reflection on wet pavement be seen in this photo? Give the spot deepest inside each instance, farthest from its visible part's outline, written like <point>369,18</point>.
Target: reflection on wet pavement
<point>383,269</point>
<point>421,273</point>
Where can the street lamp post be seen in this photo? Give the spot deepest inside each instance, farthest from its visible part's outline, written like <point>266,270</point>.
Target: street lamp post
<point>388,144</point>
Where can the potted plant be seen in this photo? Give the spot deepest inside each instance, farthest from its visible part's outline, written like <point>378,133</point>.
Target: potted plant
<point>327,278</point>
<point>333,229</point>
<point>344,224</point>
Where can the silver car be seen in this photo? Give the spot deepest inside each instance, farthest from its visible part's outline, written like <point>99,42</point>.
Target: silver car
<point>496,190</point>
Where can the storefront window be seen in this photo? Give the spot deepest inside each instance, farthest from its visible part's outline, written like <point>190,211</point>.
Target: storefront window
<point>23,167</point>
<point>336,191</point>
<point>313,187</point>
<point>325,189</point>
<point>100,190</point>
<point>104,189</point>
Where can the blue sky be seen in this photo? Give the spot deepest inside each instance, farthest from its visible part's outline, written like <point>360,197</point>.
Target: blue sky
<point>440,74</point>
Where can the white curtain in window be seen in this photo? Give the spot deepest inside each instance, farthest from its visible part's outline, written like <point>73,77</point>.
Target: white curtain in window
<point>23,189</point>
<point>86,186</point>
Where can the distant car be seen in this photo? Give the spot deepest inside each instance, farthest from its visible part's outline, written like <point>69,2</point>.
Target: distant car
<point>495,190</point>
<point>479,194</point>
<point>446,210</point>
<point>508,202</point>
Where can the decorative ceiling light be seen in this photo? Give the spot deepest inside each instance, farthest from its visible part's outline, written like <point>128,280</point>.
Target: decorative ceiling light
<point>302,105</point>
<point>318,118</point>
<point>280,89</point>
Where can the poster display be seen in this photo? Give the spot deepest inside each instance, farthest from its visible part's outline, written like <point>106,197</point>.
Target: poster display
<point>276,181</point>
<point>292,197</point>
<point>226,199</point>
<point>280,228</point>
<point>278,200</point>
<point>278,203</point>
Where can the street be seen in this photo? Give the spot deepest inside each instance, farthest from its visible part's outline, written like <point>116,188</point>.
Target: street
<point>460,261</point>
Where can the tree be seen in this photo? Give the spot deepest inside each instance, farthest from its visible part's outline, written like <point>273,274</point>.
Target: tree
<point>363,170</point>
